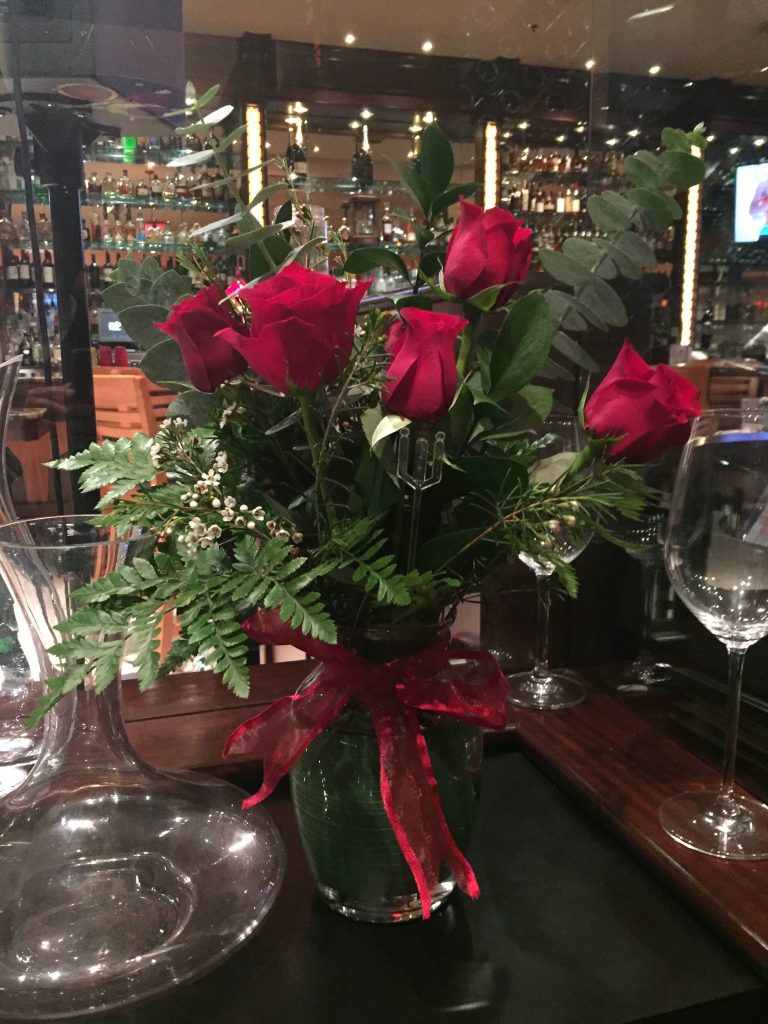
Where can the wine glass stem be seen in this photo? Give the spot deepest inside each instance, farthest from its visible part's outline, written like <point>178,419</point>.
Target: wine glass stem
<point>736,655</point>
<point>544,596</point>
<point>649,586</point>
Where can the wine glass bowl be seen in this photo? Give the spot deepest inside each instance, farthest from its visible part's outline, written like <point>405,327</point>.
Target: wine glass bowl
<point>717,559</point>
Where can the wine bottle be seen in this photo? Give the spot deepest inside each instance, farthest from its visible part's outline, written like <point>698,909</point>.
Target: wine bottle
<point>49,278</point>
<point>387,227</point>
<point>365,172</point>
<point>12,268</point>
<point>295,156</point>
<point>25,269</point>
<point>94,274</point>
<point>107,271</point>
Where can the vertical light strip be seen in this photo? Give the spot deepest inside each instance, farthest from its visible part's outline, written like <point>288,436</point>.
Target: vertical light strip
<point>491,165</point>
<point>254,154</point>
<point>690,262</point>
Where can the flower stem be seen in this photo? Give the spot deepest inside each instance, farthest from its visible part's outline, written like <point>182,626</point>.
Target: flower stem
<point>324,501</point>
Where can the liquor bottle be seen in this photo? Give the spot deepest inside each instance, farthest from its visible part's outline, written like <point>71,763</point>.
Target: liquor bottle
<point>108,184</point>
<point>525,196</point>
<point>182,186</point>
<point>142,188</point>
<point>576,201</point>
<point>25,269</point>
<point>130,231</point>
<point>344,230</point>
<point>118,237</point>
<point>94,185</point>
<point>156,187</point>
<point>24,235</point>
<point>169,189</point>
<point>125,185</point>
<point>549,203</point>
<point>569,200</point>
<point>94,274</point>
<point>36,350</point>
<point>362,162</point>
<point>141,229</point>
<point>86,233</point>
<point>11,268</point>
<point>44,229</point>
<point>295,156</point>
<point>95,227</point>
<point>410,234</point>
<point>182,235</point>
<point>387,227</point>
<point>106,271</point>
<point>206,192</point>
<point>560,202</point>
<point>49,278</point>
<point>540,200</point>
<point>106,230</point>
<point>168,236</point>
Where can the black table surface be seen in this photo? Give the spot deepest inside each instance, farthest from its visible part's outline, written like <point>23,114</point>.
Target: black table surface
<point>569,929</point>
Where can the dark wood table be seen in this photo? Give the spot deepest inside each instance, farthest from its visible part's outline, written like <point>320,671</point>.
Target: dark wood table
<point>589,914</point>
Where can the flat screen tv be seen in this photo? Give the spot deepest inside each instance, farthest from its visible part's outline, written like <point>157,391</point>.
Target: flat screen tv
<point>751,203</point>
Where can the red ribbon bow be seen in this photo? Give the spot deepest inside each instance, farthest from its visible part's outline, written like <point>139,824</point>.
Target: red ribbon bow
<point>393,692</point>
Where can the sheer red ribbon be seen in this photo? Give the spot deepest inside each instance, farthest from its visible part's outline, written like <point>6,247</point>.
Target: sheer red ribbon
<point>392,692</point>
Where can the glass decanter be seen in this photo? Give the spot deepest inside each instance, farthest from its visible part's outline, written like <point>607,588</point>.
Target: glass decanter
<point>116,881</point>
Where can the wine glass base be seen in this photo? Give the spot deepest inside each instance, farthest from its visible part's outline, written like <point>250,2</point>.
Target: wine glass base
<point>649,673</point>
<point>732,827</point>
<point>553,692</point>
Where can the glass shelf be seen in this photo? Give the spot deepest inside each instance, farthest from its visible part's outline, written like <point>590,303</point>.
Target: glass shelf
<point>152,203</point>
<point>147,248</point>
<point>347,186</point>
<point>556,178</point>
<point>112,199</point>
<point>161,156</point>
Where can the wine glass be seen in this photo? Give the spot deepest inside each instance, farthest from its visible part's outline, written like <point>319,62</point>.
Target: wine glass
<point>543,688</point>
<point>648,530</point>
<point>717,559</point>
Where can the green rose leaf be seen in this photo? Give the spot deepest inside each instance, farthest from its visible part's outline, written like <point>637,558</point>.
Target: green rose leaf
<point>522,345</point>
<point>622,263</point>
<point>453,195</point>
<point>436,159</point>
<point>168,289</point>
<point>363,260</point>
<point>419,301</point>
<point>414,183</point>
<point>149,269</point>
<point>118,297</point>
<point>127,272</point>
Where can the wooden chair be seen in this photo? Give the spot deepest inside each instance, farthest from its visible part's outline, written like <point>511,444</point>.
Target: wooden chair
<point>698,373</point>
<point>128,403</point>
<point>727,392</point>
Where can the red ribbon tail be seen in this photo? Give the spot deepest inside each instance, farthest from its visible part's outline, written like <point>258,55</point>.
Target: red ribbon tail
<point>410,796</point>
<point>281,733</point>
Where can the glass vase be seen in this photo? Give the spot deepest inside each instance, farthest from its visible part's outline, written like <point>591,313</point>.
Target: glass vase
<point>116,881</point>
<point>347,836</point>
<point>20,690</point>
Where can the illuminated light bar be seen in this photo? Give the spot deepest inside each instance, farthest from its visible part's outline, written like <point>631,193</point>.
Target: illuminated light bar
<point>491,166</point>
<point>254,122</point>
<point>690,262</point>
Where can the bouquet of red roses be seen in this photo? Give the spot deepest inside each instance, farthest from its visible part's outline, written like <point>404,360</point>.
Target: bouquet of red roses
<point>327,467</point>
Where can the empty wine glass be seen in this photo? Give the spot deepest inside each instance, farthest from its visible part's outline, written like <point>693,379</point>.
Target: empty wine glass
<point>543,688</point>
<point>647,531</point>
<point>717,560</point>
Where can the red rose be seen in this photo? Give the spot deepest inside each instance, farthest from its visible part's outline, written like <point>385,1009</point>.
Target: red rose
<point>487,248</point>
<point>302,325</point>
<point>423,370</point>
<point>194,323</point>
<point>647,408</point>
